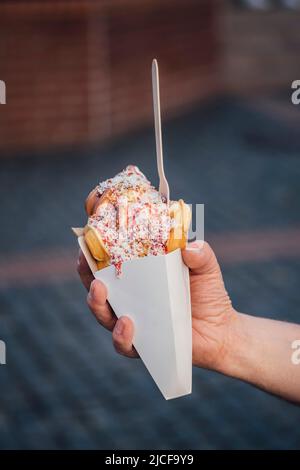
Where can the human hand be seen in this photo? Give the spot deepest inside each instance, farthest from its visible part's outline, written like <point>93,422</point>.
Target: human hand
<point>212,312</point>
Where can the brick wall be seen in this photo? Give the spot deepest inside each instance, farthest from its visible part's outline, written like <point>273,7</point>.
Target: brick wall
<point>260,50</point>
<point>79,71</point>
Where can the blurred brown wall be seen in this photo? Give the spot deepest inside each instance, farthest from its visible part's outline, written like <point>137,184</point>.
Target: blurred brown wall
<point>260,49</point>
<point>79,71</point>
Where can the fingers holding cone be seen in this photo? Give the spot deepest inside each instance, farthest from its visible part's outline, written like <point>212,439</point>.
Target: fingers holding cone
<point>122,328</point>
<point>99,306</point>
<point>123,336</point>
<point>200,258</point>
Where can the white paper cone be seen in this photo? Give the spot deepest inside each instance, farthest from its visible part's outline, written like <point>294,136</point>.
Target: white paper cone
<point>154,292</point>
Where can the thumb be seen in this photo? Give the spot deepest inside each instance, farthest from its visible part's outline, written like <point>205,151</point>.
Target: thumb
<point>200,258</point>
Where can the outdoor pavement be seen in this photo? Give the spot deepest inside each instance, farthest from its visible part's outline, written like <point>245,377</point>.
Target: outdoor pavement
<point>63,386</point>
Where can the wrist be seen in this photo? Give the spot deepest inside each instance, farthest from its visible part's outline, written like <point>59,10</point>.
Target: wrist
<point>236,360</point>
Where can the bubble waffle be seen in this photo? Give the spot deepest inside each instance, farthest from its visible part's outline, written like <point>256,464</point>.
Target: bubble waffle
<point>128,219</point>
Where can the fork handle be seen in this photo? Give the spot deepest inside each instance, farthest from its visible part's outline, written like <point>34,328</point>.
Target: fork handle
<point>157,119</point>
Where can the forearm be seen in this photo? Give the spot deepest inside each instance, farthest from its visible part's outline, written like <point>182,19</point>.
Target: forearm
<point>260,352</point>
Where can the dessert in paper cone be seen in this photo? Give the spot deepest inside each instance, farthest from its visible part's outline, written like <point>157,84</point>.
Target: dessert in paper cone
<point>132,242</point>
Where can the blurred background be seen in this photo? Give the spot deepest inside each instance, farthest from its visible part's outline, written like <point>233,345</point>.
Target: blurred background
<point>78,109</point>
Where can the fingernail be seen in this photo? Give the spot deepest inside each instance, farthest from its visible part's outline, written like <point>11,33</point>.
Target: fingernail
<point>195,246</point>
<point>119,328</point>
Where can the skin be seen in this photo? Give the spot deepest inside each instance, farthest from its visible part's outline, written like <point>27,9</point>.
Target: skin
<point>255,350</point>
